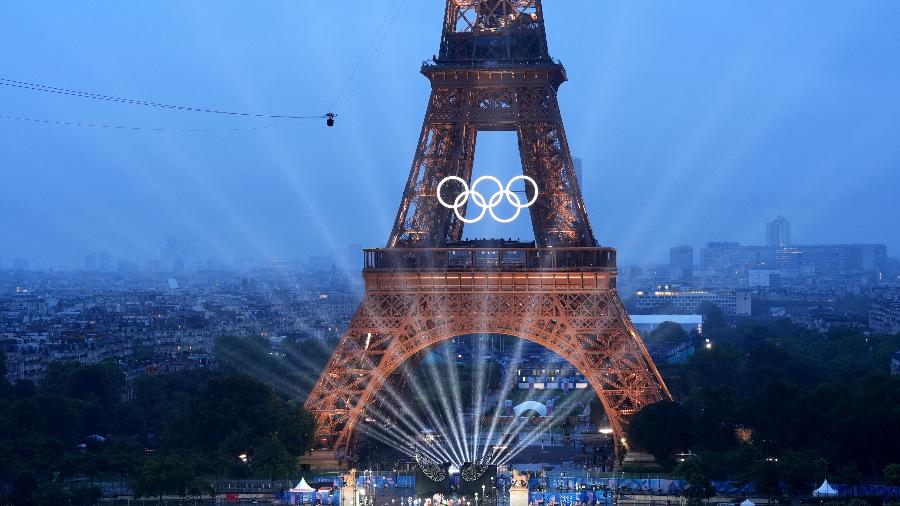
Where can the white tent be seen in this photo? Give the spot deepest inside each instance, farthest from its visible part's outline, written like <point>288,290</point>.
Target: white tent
<point>536,406</point>
<point>825,490</point>
<point>748,502</point>
<point>303,488</point>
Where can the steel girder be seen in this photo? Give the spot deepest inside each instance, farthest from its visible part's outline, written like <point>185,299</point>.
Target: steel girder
<point>590,330</point>
<point>447,148</point>
<point>494,72</point>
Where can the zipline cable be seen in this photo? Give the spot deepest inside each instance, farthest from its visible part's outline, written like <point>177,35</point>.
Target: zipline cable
<point>377,41</point>
<point>98,96</point>
<point>137,128</point>
<point>364,56</point>
<point>346,92</point>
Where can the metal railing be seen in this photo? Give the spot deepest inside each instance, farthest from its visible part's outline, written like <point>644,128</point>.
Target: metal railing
<point>490,259</point>
<point>491,63</point>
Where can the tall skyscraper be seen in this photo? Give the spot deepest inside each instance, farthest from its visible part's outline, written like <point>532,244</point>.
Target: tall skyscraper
<point>90,263</point>
<point>579,165</point>
<point>778,233</point>
<point>681,263</point>
<point>172,254</point>
<point>104,261</point>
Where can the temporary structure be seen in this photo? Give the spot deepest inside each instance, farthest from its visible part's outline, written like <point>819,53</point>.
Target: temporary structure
<point>748,502</point>
<point>825,490</point>
<point>303,488</point>
<point>535,406</point>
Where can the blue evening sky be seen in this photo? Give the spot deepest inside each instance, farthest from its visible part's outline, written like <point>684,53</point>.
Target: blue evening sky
<point>696,120</point>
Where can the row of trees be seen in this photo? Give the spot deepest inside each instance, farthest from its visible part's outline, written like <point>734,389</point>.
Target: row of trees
<point>292,370</point>
<point>775,404</point>
<point>169,434</point>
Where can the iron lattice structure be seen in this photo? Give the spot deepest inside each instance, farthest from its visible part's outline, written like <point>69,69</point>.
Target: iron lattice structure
<point>493,73</point>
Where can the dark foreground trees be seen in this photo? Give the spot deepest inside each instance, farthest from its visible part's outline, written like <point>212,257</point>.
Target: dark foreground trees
<point>776,404</point>
<point>662,429</point>
<point>169,436</point>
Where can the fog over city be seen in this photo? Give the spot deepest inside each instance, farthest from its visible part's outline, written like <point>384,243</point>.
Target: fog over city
<point>696,121</point>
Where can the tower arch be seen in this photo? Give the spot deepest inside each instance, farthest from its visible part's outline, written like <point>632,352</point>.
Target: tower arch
<point>574,313</point>
<point>493,72</point>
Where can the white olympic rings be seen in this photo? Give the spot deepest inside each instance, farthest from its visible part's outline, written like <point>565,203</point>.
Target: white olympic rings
<point>487,206</point>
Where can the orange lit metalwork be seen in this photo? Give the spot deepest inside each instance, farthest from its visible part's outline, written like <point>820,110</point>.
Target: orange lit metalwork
<point>493,73</point>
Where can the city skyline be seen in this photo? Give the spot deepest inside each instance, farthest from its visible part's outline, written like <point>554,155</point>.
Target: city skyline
<point>668,280</point>
<point>680,143</point>
<point>175,255</point>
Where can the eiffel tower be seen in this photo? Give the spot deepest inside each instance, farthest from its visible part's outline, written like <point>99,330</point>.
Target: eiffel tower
<point>493,73</point>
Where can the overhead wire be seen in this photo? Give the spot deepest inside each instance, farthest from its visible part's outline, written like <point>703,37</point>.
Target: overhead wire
<point>136,128</point>
<point>108,98</point>
<point>364,56</point>
<point>365,63</point>
<point>345,93</point>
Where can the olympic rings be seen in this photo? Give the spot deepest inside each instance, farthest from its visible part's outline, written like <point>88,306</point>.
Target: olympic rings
<point>487,205</point>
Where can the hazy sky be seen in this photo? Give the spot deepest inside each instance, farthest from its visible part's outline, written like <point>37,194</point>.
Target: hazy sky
<point>696,121</point>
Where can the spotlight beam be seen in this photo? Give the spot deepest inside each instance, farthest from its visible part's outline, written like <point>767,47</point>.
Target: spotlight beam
<point>447,411</point>
<point>504,392</point>
<point>432,414</point>
<point>457,404</point>
<point>405,413</point>
<point>537,432</point>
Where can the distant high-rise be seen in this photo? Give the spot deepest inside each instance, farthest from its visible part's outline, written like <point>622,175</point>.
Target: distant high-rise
<point>778,233</point>
<point>681,263</point>
<point>172,254</point>
<point>578,170</point>
<point>20,264</point>
<point>731,261</point>
<point>104,262</point>
<point>90,263</point>
<point>127,266</point>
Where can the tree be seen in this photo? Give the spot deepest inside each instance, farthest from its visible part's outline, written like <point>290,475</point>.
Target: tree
<point>667,332</point>
<point>295,427</point>
<point>149,481</point>
<point>86,494</point>
<point>892,475</point>
<point>713,317</point>
<point>102,383</point>
<point>199,487</point>
<point>698,485</point>
<point>251,356</point>
<point>272,459</point>
<point>662,429</point>
<point>720,366</point>
<point>23,486</point>
<point>233,412</point>
<point>169,475</point>
<point>51,494</point>
<point>764,476</point>
<point>179,476</point>
<point>800,471</point>
<point>849,474</point>
<point>5,387</point>
<point>713,408</point>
